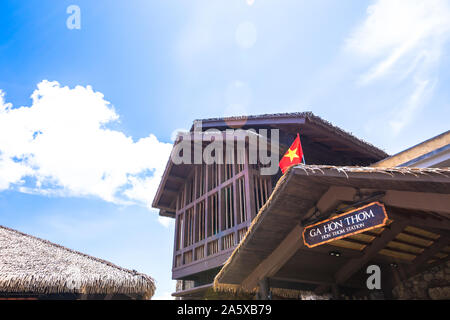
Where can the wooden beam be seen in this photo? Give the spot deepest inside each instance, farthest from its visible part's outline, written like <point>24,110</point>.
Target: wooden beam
<point>334,196</point>
<point>168,214</point>
<point>404,199</point>
<point>322,139</point>
<point>287,248</point>
<point>352,266</point>
<point>330,199</point>
<point>172,192</point>
<point>341,149</point>
<point>264,289</point>
<point>207,222</point>
<point>306,279</point>
<point>196,291</point>
<point>249,189</point>
<point>425,222</point>
<point>322,289</point>
<point>418,200</point>
<point>421,260</point>
<point>253,121</point>
<point>176,179</point>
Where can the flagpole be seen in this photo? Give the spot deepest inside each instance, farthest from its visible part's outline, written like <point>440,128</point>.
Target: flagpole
<point>303,155</point>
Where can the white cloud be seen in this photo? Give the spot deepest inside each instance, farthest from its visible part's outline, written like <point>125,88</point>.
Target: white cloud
<point>176,132</point>
<point>246,35</point>
<point>214,28</point>
<point>166,221</point>
<point>403,115</point>
<point>61,145</point>
<point>400,29</point>
<point>402,41</point>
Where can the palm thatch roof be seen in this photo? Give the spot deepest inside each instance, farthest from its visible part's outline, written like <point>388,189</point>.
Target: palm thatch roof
<point>308,124</point>
<point>36,266</point>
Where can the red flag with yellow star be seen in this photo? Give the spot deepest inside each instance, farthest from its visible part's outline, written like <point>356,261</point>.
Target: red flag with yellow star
<point>293,156</point>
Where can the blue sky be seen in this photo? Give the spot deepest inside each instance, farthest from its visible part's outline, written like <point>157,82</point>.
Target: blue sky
<point>87,115</point>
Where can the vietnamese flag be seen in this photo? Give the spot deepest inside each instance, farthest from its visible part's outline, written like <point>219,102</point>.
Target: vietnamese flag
<point>293,156</point>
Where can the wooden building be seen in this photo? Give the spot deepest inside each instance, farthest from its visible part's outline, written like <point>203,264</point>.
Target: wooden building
<point>272,260</point>
<point>214,205</point>
<point>431,153</point>
<point>33,268</point>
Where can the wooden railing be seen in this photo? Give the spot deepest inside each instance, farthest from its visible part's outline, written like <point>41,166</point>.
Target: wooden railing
<point>228,241</point>
<point>241,233</point>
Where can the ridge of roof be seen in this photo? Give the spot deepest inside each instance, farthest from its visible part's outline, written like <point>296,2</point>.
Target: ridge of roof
<point>313,170</point>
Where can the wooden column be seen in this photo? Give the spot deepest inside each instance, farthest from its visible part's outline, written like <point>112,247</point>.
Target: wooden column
<point>183,230</point>
<point>196,236</point>
<point>205,178</point>
<point>388,282</point>
<point>219,206</point>
<point>336,292</point>
<point>264,289</point>
<point>235,206</point>
<point>354,265</point>
<point>276,260</point>
<point>177,218</point>
<point>419,264</point>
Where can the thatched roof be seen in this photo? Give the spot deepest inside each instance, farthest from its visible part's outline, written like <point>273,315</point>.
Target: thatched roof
<point>36,266</point>
<point>298,191</point>
<point>426,149</point>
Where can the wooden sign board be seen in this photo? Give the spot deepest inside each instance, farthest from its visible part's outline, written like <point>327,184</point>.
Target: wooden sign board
<point>352,222</point>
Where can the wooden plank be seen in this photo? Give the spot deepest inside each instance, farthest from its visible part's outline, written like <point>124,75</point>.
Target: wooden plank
<point>307,279</point>
<point>330,200</point>
<point>264,289</point>
<point>202,265</point>
<point>268,267</point>
<point>276,121</point>
<point>197,291</point>
<point>176,179</point>
<point>175,240</point>
<point>196,213</point>
<point>322,139</point>
<point>341,149</point>
<point>333,196</point>
<point>171,192</point>
<point>422,259</point>
<point>370,252</point>
<point>426,222</point>
<point>220,214</point>
<point>415,245</point>
<point>249,187</point>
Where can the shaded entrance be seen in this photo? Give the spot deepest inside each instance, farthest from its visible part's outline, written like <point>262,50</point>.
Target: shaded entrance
<point>273,260</point>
